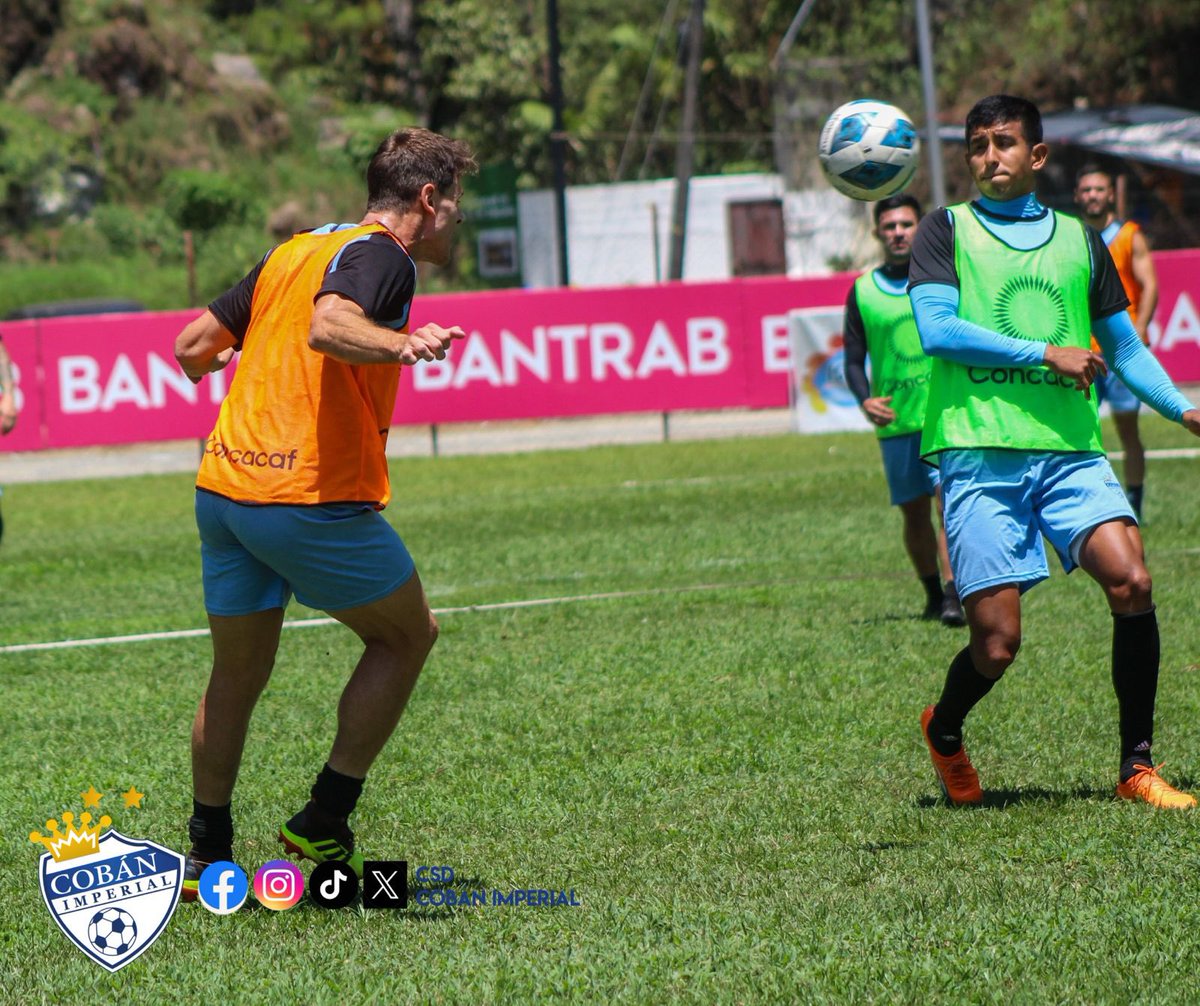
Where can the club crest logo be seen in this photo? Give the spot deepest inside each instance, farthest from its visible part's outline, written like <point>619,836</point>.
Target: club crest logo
<point>111,895</point>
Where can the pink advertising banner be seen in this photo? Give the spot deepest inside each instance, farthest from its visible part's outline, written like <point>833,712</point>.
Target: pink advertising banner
<point>21,341</point>
<point>1175,330</point>
<point>111,379</point>
<point>589,352</point>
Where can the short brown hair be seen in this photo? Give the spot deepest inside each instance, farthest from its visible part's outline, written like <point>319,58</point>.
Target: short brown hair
<point>409,159</point>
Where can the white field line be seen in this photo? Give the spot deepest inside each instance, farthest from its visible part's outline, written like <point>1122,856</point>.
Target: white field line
<point>307,623</point>
<point>1162,452</point>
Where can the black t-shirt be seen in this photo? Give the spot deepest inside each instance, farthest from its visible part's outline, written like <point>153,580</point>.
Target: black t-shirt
<point>933,262</point>
<point>375,272</point>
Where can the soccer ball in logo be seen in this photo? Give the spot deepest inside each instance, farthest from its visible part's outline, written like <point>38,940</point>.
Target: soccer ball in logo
<point>868,149</point>
<point>112,932</point>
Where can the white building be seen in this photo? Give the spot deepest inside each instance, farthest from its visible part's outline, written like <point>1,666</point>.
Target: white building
<point>611,230</point>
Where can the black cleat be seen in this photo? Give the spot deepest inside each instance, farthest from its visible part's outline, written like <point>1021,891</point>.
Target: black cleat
<point>194,864</point>
<point>952,610</point>
<point>313,835</point>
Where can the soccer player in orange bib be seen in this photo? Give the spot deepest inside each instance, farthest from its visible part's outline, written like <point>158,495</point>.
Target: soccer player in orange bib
<point>294,475</point>
<point>1095,195</point>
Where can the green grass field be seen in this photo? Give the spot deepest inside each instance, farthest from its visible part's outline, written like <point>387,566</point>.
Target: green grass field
<point>725,766</point>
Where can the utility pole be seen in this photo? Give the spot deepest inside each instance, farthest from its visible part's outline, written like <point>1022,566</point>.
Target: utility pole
<point>558,143</point>
<point>685,151</point>
<point>937,178</point>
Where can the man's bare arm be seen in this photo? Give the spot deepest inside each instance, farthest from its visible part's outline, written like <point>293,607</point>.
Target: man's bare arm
<point>205,345</point>
<point>342,331</point>
<point>1143,271</point>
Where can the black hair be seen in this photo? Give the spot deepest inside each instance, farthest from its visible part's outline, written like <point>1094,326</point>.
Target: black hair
<point>1093,168</point>
<point>998,108</point>
<point>895,203</point>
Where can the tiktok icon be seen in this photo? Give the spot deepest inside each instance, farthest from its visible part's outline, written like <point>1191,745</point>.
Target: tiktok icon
<point>332,885</point>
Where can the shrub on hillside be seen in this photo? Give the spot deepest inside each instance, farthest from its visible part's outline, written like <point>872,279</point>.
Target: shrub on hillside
<point>203,201</point>
<point>128,231</point>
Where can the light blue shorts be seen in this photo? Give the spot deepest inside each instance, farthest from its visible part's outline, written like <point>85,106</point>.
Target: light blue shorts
<point>332,556</point>
<point>999,503</point>
<point>907,475</point>
<point>1110,388</point>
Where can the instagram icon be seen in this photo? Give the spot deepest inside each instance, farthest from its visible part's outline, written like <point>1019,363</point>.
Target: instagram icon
<point>278,884</point>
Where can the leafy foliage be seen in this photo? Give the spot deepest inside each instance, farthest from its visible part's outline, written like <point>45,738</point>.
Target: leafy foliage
<point>202,201</point>
<point>29,146</point>
<point>130,91</point>
<point>127,232</point>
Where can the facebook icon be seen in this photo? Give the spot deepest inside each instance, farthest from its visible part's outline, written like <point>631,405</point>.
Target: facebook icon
<point>223,887</point>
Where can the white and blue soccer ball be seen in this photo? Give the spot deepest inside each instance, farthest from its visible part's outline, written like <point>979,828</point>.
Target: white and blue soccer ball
<point>869,149</point>
<point>112,932</point>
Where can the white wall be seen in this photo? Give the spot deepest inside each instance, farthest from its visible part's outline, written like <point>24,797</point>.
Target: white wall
<point>610,229</point>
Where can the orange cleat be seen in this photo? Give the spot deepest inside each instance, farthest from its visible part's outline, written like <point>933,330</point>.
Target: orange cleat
<point>1147,785</point>
<point>955,773</point>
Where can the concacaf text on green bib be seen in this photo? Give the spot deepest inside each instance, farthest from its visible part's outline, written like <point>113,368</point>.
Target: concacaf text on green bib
<point>1042,295</point>
<point>899,366</point>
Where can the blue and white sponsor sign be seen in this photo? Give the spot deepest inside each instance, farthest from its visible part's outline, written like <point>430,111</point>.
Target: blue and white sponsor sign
<point>821,400</point>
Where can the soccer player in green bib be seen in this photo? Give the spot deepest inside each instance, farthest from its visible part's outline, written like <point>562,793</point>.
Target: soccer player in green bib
<point>1005,293</point>
<point>879,324</point>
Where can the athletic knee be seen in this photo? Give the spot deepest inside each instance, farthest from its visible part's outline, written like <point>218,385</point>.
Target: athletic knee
<point>993,653</point>
<point>247,673</point>
<point>1132,592</point>
<point>412,637</point>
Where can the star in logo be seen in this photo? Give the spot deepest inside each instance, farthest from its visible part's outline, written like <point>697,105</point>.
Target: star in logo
<point>132,797</point>
<point>91,798</point>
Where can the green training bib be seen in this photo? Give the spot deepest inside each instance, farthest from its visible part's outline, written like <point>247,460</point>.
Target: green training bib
<point>899,366</point>
<point>1042,295</point>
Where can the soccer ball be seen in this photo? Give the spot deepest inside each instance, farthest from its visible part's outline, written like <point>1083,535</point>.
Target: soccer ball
<point>112,932</point>
<point>868,149</point>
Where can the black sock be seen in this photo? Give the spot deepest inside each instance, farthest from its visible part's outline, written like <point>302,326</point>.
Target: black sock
<point>1135,656</point>
<point>950,590</point>
<point>211,829</point>
<point>965,686</point>
<point>335,794</point>
<point>933,588</point>
<point>1134,495</point>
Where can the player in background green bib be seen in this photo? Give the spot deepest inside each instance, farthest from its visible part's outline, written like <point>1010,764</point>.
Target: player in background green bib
<point>1040,294</point>
<point>899,367</point>
<point>1005,292</point>
<point>879,323</point>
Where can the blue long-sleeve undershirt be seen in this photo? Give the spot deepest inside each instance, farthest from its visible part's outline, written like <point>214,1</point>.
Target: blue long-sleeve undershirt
<point>1125,353</point>
<point>944,334</point>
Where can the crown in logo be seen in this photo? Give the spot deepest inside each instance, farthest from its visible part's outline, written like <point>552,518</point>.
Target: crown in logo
<point>76,841</point>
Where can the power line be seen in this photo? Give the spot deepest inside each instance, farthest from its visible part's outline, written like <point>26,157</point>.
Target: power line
<point>667,19</point>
